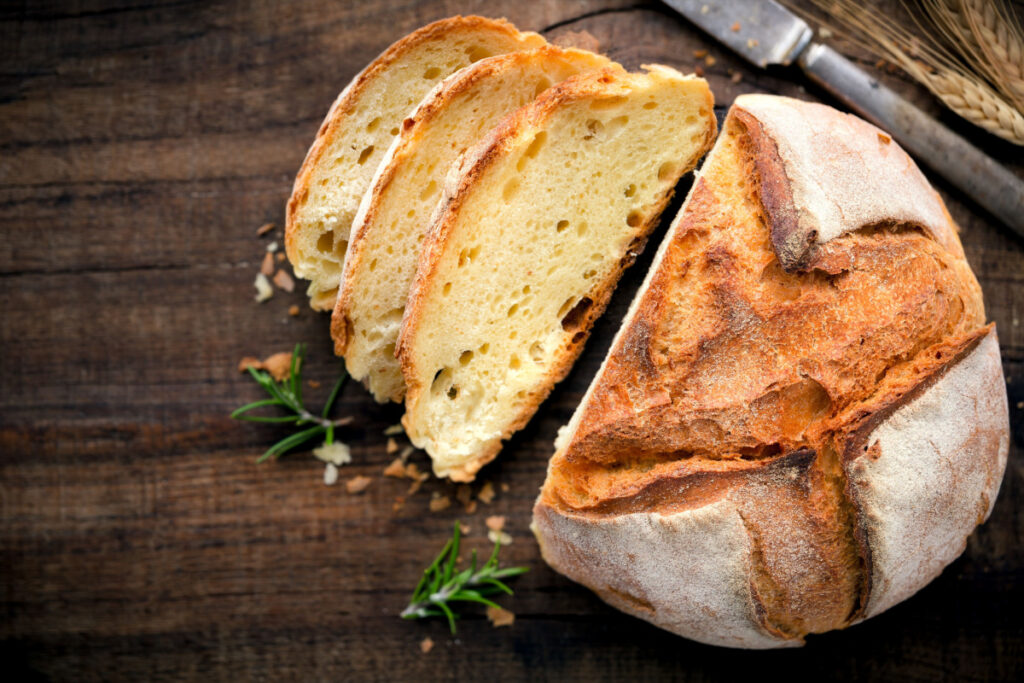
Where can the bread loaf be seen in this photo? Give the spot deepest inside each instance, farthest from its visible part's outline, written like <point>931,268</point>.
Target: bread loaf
<point>358,130</point>
<point>536,224</point>
<point>803,416</point>
<point>395,212</point>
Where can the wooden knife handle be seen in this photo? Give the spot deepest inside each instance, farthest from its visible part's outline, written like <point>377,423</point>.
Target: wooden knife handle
<point>980,177</point>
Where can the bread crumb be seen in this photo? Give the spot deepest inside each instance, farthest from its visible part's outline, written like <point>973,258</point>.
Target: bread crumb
<point>413,472</point>
<point>752,42</point>
<point>279,365</point>
<point>501,537</point>
<point>293,310</point>
<point>880,63</point>
<point>330,475</point>
<point>394,430</point>
<point>464,528</point>
<point>284,281</point>
<point>824,32</point>
<point>314,384</point>
<point>464,494</point>
<point>272,247</point>
<point>700,54</point>
<point>709,61</point>
<point>263,289</point>
<point>267,267</point>
<point>406,452</point>
<point>1020,405</point>
<point>391,447</point>
<point>398,504</point>
<point>426,645</point>
<point>500,617</point>
<point>735,27</point>
<point>699,70</point>
<point>438,503</point>
<point>736,77</point>
<point>358,483</point>
<point>504,487</point>
<point>280,257</point>
<point>486,493</point>
<point>250,362</point>
<point>414,487</point>
<point>336,453</point>
<point>471,507</point>
<point>264,229</point>
<point>495,522</point>
<point>582,40</point>
<point>396,469</point>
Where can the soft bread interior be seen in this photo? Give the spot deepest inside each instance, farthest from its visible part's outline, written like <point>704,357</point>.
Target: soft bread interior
<point>360,128</point>
<point>535,235</point>
<point>396,211</point>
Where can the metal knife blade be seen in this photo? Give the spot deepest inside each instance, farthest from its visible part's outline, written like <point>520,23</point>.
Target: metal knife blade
<point>765,31</point>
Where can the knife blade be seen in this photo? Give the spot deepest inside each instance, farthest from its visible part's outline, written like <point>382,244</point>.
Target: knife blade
<point>765,33</point>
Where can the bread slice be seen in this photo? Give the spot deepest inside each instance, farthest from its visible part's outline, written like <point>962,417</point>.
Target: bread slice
<point>536,225</point>
<point>803,415</point>
<point>358,130</point>
<point>395,213</point>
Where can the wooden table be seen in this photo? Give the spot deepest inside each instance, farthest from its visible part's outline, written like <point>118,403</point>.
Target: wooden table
<point>140,148</point>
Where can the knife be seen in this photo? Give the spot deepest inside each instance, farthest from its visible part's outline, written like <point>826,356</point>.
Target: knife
<point>764,32</point>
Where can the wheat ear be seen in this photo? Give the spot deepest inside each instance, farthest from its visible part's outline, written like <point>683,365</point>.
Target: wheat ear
<point>1000,38</point>
<point>929,63</point>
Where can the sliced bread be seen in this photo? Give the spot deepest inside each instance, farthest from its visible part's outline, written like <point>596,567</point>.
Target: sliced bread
<point>358,130</point>
<point>536,224</point>
<point>395,212</point>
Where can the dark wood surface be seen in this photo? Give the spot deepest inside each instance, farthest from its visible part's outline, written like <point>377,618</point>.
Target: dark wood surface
<point>141,145</point>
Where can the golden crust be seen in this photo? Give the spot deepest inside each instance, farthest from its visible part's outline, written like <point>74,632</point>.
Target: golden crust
<point>732,363</point>
<point>522,124</point>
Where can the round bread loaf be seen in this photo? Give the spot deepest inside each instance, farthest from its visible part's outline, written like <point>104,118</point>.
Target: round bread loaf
<point>803,416</point>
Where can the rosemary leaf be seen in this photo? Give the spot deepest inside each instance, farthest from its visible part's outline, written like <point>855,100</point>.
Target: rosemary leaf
<point>440,585</point>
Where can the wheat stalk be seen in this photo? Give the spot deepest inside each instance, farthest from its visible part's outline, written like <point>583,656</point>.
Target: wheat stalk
<point>1001,40</point>
<point>930,63</point>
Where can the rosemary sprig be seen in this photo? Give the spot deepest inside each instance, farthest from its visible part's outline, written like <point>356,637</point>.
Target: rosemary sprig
<point>288,395</point>
<point>440,585</point>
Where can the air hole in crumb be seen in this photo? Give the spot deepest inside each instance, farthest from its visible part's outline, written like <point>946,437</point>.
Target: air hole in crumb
<point>574,318</point>
<point>536,352</point>
<point>325,244</point>
<point>633,219</point>
<point>594,128</point>
<point>562,225</point>
<point>581,229</point>
<point>589,274</point>
<point>365,154</point>
<point>542,85</point>
<point>666,172</point>
<point>429,190</point>
<point>538,142</point>
<point>484,348</point>
<point>442,378</point>
<point>513,362</point>
<point>447,288</point>
<point>526,289</point>
<point>512,310</point>
<point>465,358</point>
<point>373,265</point>
<point>510,190</point>
<point>372,125</point>
<point>631,190</point>
<point>650,105</point>
<point>394,131</point>
<point>513,334</point>
<point>617,123</point>
<point>476,53</point>
<point>432,73</point>
<point>453,392</point>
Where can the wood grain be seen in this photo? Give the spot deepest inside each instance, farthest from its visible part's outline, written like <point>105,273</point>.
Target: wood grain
<point>141,145</point>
